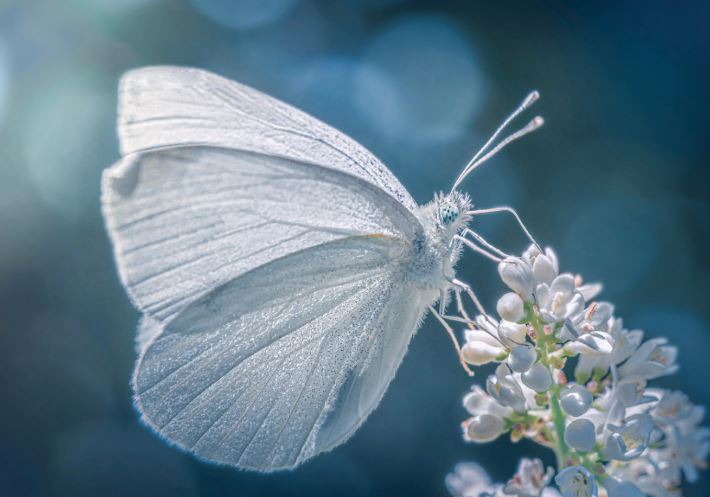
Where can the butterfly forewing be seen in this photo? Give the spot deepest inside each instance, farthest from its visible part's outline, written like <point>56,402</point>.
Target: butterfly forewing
<point>186,220</point>
<point>167,106</point>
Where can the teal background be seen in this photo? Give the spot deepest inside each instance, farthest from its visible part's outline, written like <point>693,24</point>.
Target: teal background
<point>616,182</point>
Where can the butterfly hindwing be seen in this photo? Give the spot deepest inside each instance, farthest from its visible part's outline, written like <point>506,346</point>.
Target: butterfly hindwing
<point>283,362</point>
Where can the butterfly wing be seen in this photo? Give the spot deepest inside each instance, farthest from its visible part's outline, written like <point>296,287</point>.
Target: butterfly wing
<point>276,311</point>
<point>285,361</point>
<point>186,220</point>
<point>175,106</point>
<point>268,269</point>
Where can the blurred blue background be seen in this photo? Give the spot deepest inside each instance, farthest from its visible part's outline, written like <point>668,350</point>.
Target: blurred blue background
<point>616,181</point>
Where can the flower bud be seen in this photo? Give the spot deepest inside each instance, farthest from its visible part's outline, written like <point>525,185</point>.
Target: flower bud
<point>517,274</point>
<point>580,435</point>
<point>510,307</point>
<point>479,353</point>
<point>512,333</point>
<point>521,358</point>
<point>538,378</point>
<point>483,428</point>
<point>575,399</point>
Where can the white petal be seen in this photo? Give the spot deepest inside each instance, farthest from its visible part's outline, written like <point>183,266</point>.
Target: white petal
<point>590,290</point>
<point>517,274</point>
<point>476,335</point>
<point>543,269</point>
<point>564,283</point>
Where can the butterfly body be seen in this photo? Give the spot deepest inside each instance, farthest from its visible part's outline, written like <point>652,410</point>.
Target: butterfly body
<point>434,251</point>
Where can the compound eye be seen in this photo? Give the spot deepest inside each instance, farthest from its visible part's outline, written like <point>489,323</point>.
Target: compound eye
<point>449,213</point>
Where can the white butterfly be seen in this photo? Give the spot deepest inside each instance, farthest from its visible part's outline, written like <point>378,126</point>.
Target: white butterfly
<point>280,267</point>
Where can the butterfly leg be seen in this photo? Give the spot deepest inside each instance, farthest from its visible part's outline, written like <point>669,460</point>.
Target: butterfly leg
<point>452,335</point>
<point>485,243</point>
<point>466,288</point>
<point>509,210</point>
<point>478,249</point>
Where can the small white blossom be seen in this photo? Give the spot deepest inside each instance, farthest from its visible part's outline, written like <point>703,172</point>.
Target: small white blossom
<point>624,344</point>
<point>468,480</point>
<point>688,445</point>
<point>559,300</point>
<point>673,407</point>
<point>510,307</point>
<point>538,378</point>
<point>478,402</point>
<point>517,274</point>
<point>631,439</point>
<point>597,317</point>
<point>580,435</point>
<point>594,343</point>
<point>576,481</point>
<point>505,389</point>
<point>652,359</point>
<point>530,479</point>
<point>630,391</point>
<point>575,399</point>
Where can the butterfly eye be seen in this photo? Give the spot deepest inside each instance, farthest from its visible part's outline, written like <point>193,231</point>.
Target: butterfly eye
<point>449,213</point>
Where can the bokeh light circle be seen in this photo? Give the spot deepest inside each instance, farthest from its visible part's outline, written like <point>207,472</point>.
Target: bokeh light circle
<point>69,126</point>
<point>244,14</point>
<point>436,74</point>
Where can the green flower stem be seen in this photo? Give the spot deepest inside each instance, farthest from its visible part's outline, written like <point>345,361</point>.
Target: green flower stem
<point>545,343</point>
<point>558,418</point>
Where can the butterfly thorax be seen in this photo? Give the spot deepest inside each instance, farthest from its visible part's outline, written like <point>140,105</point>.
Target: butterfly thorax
<point>434,252</point>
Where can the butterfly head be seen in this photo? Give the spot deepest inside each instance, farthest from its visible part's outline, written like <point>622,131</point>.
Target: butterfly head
<point>451,211</point>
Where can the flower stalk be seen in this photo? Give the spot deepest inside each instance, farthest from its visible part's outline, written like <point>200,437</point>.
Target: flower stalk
<point>611,434</point>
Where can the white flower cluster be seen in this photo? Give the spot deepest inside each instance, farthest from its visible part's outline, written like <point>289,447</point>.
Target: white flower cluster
<point>611,434</point>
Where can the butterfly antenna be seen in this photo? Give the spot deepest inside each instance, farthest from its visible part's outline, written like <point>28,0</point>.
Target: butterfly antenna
<point>477,160</point>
